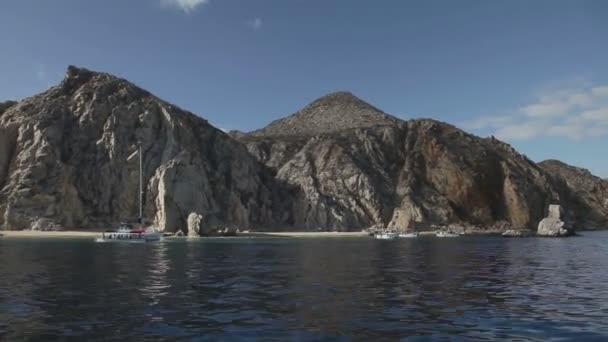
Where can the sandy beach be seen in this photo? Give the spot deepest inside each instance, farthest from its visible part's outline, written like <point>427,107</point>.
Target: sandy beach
<point>92,234</point>
<point>50,234</point>
<point>305,234</point>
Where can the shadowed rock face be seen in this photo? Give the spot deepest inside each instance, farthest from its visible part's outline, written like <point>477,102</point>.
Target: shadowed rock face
<point>589,193</point>
<point>339,164</point>
<point>406,174</point>
<point>63,158</point>
<point>416,173</point>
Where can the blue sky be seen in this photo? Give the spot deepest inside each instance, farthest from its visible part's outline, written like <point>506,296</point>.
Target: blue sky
<point>533,73</point>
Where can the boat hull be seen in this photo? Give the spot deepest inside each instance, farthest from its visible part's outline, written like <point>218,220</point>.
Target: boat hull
<point>386,236</point>
<point>446,235</point>
<point>408,235</point>
<point>130,237</point>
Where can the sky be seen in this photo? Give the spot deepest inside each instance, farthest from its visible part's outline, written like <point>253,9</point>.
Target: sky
<point>531,73</point>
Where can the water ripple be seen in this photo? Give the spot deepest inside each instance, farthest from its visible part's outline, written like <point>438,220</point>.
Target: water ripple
<point>477,288</point>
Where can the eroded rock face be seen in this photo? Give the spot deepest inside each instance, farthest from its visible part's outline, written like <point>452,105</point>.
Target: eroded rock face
<point>338,164</point>
<point>408,175</point>
<point>63,158</point>
<point>552,225</point>
<point>588,194</point>
<point>195,224</point>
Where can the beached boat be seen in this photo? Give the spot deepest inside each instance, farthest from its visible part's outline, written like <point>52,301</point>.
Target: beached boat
<point>387,235</point>
<point>446,234</point>
<point>126,232</point>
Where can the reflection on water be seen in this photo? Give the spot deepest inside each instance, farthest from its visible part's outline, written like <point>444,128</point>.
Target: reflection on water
<point>305,289</point>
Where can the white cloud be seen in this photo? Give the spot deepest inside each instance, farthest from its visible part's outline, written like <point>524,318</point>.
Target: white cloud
<point>572,112</point>
<point>545,109</point>
<point>600,91</point>
<point>256,23</point>
<point>517,131</point>
<point>488,122</point>
<point>185,5</point>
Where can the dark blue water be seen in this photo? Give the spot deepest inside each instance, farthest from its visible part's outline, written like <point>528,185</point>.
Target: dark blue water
<point>305,289</point>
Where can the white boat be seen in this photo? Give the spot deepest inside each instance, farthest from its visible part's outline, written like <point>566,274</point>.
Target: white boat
<point>446,234</point>
<point>126,232</point>
<point>408,235</point>
<point>387,235</point>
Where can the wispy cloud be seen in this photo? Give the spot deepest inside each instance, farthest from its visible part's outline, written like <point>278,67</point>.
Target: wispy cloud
<point>185,5</point>
<point>573,112</point>
<point>256,23</point>
<point>41,73</point>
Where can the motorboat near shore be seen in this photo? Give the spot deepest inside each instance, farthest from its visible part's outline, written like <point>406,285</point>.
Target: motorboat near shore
<point>448,234</point>
<point>408,235</point>
<point>387,235</point>
<point>390,234</point>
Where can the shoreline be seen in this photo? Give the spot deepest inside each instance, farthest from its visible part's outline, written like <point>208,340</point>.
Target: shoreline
<point>304,234</point>
<point>53,234</point>
<point>94,234</point>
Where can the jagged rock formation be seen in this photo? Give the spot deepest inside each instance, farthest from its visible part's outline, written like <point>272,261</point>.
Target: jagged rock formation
<point>589,194</point>
<point>338,164</point>
<point>195,224</point>
<point>63,161</point>
<point>552,225</point>
<point>5,105</point>
<point>405,174</point>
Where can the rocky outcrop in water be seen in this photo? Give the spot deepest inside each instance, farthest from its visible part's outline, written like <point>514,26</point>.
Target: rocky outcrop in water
<point>552,225</point>
<point>195,224</point>
<point>63,160</point>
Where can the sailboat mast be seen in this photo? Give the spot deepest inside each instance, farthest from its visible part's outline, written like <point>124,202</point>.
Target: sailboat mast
<point>141,186</point>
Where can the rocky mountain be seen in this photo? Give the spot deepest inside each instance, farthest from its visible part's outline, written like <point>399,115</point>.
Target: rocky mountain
<point>357,166</point>
<point>63,162</point>
<point>339,164</point>
<point>331,113</point>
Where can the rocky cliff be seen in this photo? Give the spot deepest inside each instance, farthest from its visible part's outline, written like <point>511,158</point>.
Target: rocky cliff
<point>589,193</point>
<point>357,166</point>
<point>339,164</point>
<point>63,161</point>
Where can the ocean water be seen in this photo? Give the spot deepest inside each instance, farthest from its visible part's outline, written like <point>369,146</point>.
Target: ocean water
<point>316,289</point>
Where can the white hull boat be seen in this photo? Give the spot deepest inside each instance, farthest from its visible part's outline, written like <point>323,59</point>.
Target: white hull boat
<point>131,235</point>
<point>446,234</point>
<point>408,235</point>
<point>391,235</point>
<point>126,233</point>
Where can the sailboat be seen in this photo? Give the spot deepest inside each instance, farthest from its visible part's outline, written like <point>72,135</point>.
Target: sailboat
<point>126,232</point>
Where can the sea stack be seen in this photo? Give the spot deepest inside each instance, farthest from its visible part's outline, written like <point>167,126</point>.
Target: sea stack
<point>552,225</point>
